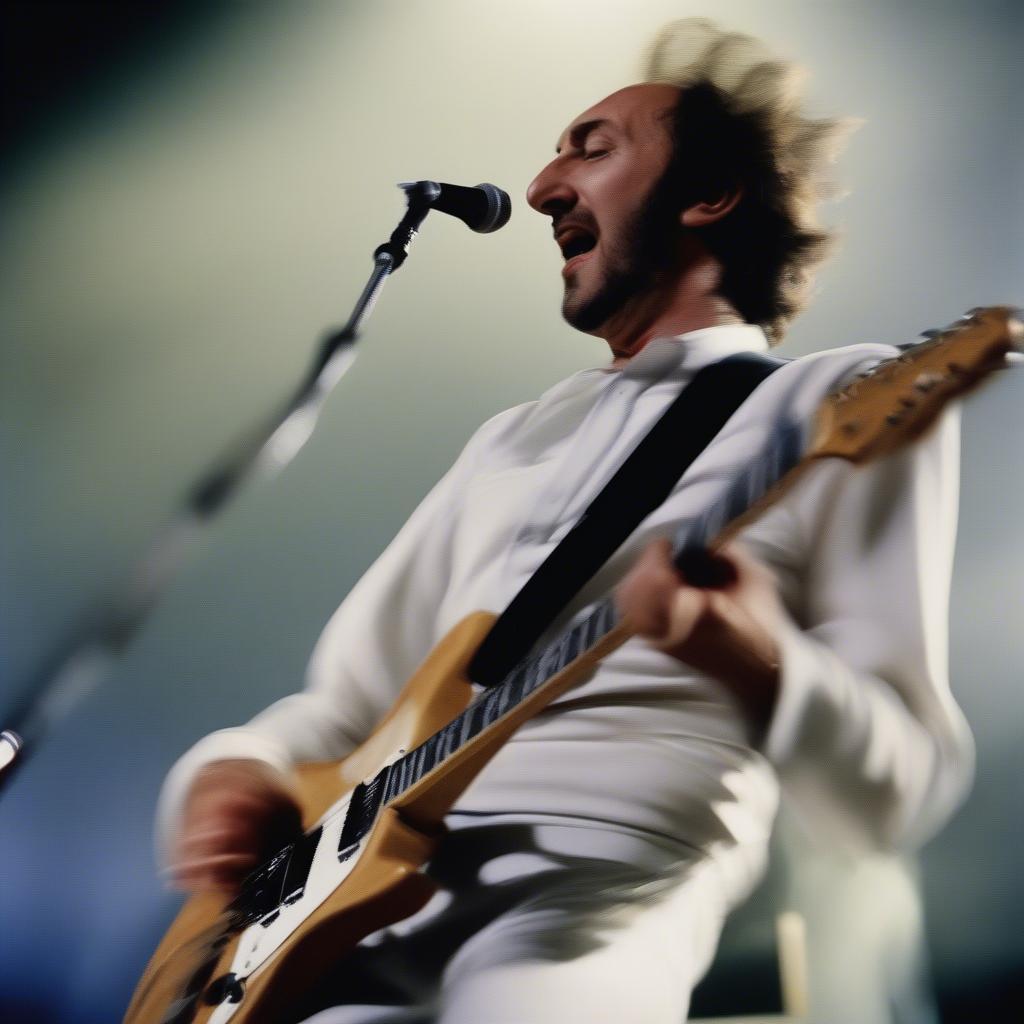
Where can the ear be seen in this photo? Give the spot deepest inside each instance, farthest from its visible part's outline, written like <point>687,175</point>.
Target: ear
<point>701,214</point>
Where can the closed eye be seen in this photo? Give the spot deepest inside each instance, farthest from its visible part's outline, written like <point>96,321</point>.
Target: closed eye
<point>595,154</point>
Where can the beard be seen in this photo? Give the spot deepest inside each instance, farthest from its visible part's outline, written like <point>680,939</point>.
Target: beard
<point>644,252</point>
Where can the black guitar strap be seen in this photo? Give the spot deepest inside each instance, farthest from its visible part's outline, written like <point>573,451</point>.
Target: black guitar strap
<point>638,487</point>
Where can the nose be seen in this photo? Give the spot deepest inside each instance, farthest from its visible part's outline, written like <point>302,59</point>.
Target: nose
<point>550,192</point>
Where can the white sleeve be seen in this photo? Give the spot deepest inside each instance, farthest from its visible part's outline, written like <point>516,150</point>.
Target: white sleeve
<point>374,641</point>
<point>865,734</point>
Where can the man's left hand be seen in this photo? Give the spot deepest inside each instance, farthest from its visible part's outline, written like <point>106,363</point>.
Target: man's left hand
<point>722,621</point>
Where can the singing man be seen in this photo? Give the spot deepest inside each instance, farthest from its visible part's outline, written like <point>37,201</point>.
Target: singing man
<point>588,869</point>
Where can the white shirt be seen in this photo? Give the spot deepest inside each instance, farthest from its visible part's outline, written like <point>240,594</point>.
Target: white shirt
<point>865,733</point>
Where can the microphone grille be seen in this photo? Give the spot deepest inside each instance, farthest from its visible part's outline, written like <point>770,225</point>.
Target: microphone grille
<point>499,208</point>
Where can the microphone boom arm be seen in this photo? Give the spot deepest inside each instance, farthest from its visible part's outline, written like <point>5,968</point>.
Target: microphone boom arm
<point>78,665</point>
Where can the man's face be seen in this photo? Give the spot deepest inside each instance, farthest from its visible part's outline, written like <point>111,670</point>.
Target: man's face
<point>612,215</point>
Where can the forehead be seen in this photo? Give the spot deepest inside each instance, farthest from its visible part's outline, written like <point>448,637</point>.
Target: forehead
<point>635,110</point>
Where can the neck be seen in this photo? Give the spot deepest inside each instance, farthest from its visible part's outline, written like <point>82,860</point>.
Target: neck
<point>689,301</point>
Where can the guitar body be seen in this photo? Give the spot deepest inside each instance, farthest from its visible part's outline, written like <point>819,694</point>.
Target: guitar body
<point>204,953</point>
<point>374,818</point>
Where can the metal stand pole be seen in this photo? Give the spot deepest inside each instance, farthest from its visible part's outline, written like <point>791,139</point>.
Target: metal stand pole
<point>80,664</point>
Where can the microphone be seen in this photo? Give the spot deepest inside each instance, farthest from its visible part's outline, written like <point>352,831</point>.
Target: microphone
<point>483,208</point>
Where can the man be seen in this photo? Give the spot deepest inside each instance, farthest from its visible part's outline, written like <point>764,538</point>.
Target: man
<point>589,867</point>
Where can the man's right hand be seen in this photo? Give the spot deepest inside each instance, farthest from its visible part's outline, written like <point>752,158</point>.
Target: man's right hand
<point>237,814</point>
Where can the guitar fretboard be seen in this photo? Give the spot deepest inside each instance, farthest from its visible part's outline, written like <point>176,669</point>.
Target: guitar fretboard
<point>780,453</point>
<point>264,889</point>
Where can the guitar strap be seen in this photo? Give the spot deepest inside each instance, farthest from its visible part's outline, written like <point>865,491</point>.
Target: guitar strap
<point>639,486</point>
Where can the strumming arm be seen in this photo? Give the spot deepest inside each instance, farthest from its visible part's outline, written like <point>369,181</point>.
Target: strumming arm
<point>865,733</point>
<point>371,645</point>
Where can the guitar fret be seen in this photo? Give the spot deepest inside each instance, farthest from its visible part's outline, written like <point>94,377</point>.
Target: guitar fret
<point>489,706</point>
<point>566,649</point>
<point>502,702</point>
<point>454,734</point>
<point>516,684</point>
<point>391,784</point>
<point>494,707</point>
<point>430,758</point>
<point>573,644</point>
<point>529,674</point>
<point>464,727</point>
<point>547,662</point>
<point>446,745</point>
<point>401,771</point>
<point>535,675</point>
<point>421,760</point>
<point>589,629</point>
<point>477,717</point>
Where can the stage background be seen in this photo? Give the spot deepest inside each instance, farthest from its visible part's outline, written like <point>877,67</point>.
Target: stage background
<point>190,197</point>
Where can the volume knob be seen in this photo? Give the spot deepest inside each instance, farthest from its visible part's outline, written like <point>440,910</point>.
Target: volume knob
<point>228,988</point>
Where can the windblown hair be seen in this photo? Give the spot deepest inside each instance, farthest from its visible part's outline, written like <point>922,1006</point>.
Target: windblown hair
<point>738,122</point>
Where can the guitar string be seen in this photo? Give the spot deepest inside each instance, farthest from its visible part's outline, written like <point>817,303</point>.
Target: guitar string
<point>780,453</point>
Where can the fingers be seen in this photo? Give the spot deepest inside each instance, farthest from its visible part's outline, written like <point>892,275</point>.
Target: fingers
<point>645,595</point>
<point>215,856</point>
<point>656,603</point>
<point>237,814</point>
<point>249,816</point>
<point>701,567</point>
<point>748,569</point>
<point>717,613</point>
<point>688,612</point>
<point>223,872</point>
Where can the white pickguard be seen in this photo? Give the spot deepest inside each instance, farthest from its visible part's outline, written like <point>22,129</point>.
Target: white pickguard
<point>258,943</point>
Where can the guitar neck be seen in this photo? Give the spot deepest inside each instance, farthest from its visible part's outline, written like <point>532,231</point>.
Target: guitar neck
<point>423,782</point>
<point>884,408</point>
<point>328,889</point>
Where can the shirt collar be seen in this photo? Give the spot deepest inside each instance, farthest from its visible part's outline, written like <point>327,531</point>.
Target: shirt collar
<point>690,352</point>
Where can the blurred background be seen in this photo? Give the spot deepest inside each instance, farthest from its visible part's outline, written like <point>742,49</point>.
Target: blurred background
<point>191,194</point>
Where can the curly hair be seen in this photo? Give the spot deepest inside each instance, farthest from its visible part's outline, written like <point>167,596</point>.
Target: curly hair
<point>738,123</point>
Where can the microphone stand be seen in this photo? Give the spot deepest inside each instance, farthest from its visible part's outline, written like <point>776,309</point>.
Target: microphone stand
<point>78,666</point>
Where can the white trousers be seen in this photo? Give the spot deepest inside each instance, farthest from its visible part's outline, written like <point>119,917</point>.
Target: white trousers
<point>538,923</point>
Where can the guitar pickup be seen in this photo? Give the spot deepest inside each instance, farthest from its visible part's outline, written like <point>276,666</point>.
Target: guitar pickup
<point>299,865</point>
<point>366,800</point>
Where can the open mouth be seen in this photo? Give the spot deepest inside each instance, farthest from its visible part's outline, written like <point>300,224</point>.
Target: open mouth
<point>575,242</point>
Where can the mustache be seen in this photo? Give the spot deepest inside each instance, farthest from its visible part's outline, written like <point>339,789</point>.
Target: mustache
<point>583,221</point>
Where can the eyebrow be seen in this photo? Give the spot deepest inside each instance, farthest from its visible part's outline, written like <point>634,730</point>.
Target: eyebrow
<point>579,132</point>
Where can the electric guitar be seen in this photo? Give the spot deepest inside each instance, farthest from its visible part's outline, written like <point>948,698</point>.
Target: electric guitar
<point>372,819</point>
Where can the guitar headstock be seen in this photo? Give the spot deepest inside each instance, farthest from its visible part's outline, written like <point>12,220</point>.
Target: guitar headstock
<point>900,398</point>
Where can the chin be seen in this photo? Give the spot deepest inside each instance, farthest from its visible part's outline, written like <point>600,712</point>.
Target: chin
<point>575,313</point>
<point>581,305</point>
<point>589,311</point>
